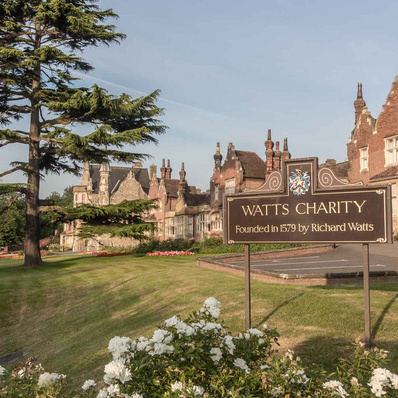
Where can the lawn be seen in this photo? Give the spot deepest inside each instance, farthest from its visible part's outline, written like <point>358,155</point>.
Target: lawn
<point>65,312</point>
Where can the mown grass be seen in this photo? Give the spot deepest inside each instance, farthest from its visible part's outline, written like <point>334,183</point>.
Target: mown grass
<point>65,312</point>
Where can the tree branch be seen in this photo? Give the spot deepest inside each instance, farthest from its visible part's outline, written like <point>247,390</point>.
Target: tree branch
<point>18,168</point>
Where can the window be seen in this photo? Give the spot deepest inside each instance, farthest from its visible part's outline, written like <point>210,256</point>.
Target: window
<point>216,222</point>
<point>190,225</point>
<point>230,186</point>
<point>394,198</point>
<point>215,192</point>
<point>170,229</point>
<point>201,223</point>
<point>363,159</point>
<point>204,223</point>
<point>180,226</point>
<point>391,150</point>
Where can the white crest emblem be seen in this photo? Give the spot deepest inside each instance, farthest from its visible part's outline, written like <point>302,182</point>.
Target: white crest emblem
<point>299,182</point>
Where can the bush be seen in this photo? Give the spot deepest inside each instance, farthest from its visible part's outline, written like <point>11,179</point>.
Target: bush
<point>198,357</point>
<point>208,246</point>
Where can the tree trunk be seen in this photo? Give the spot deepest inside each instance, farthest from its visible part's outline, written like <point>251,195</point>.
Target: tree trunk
<point>32,236</point>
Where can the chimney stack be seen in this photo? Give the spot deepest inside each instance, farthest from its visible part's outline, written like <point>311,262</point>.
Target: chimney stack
<point>168,170</point>
<point>163,169</point>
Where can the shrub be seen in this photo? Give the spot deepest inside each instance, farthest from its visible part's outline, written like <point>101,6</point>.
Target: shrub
<point>208,246</point>
<point>198,357</point>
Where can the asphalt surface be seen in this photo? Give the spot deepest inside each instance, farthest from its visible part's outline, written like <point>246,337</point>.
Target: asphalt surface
<point>343,259</point>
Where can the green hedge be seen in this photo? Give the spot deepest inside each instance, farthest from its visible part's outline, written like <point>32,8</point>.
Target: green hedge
<point>208,246</point>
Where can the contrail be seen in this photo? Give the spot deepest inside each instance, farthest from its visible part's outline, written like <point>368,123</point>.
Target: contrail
<point>143,93</point>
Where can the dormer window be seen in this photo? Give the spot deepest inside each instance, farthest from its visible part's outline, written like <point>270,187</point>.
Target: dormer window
<point>391,150</point>
<point>363,159</point>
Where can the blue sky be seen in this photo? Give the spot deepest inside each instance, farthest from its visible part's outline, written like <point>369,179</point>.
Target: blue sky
<point>229,70</point>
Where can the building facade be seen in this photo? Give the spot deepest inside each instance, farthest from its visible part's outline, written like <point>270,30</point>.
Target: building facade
<point>103,185</point>
<point>184,212</point>
<point>372,149</point>
<point>241,171</point>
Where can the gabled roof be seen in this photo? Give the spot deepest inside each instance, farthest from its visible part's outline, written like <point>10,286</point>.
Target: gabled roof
<point>117,175</point>
<point>197,199</point>
<point>253,165</point>
<point>172,186</point>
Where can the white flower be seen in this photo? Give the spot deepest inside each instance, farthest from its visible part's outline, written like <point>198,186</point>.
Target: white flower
<point>171,321</point>
<point>382,378</point>
<point>2,371</point>
<point>184,329</point>
<point>255,332</point>
<point>196,390</point>
<point>263,367</point>
<point>276,391</point>
<point>265,326</point>
<point>119,346</point>
<point>216,354</point>
<point>228,340</point>
<point>161,336</point>
<point>212,307</point>
<point>103,393</point>
<point>336,387</point>
<point>241,363</point>
<point>212,302</point>
<point>177,386</point>
<point>289,354</point>
<point>142,344</point>
<point>211,326</point>
<point>116,370</point>
<point>161,348</point>
<point>113,390</point>
<point>49,379</point>
<point>87,384</point>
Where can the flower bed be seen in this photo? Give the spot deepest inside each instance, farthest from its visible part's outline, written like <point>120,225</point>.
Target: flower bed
<point>11,255</point>
<point>171,253</point>
<point>106,254</point>
<point>198,357</point>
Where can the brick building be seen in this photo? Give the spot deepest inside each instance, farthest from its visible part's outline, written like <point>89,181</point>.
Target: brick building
<point>372,149</point>
<point>180,205</point>
<point>242,170</point>
<point>183,212</point>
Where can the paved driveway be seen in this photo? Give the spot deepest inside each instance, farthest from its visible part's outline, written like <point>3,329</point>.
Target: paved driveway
<point>343,259</point>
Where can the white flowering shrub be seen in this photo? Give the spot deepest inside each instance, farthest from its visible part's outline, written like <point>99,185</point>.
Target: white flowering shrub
<point>198,357</point>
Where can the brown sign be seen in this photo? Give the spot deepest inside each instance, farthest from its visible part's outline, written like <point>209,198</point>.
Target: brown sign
<point>304,205</point>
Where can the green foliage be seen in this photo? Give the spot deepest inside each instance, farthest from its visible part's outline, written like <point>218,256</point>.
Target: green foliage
<point>166,245</point>
<point>208,246</point>
<point>125,219</point>
<point>199,357</point>
<point>48,220</point>
<point>12,220</point>
<point>40,46</point>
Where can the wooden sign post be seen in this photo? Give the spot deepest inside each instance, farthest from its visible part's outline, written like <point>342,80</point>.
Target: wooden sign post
<point>304,205</point>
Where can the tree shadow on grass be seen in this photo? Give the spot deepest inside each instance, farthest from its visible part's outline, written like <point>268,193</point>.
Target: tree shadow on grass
<point>276,309</point>
<point>326,351</point>
<point>386,286</point>
<point>381,317</point>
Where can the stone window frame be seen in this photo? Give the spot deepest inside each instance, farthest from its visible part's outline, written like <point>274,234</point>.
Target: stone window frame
<point>203,225</point>
<point>362,158</point>
<point>229,187</point>
<point>393,150</point>
<point>216,192</point>
<point>394,198</point>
